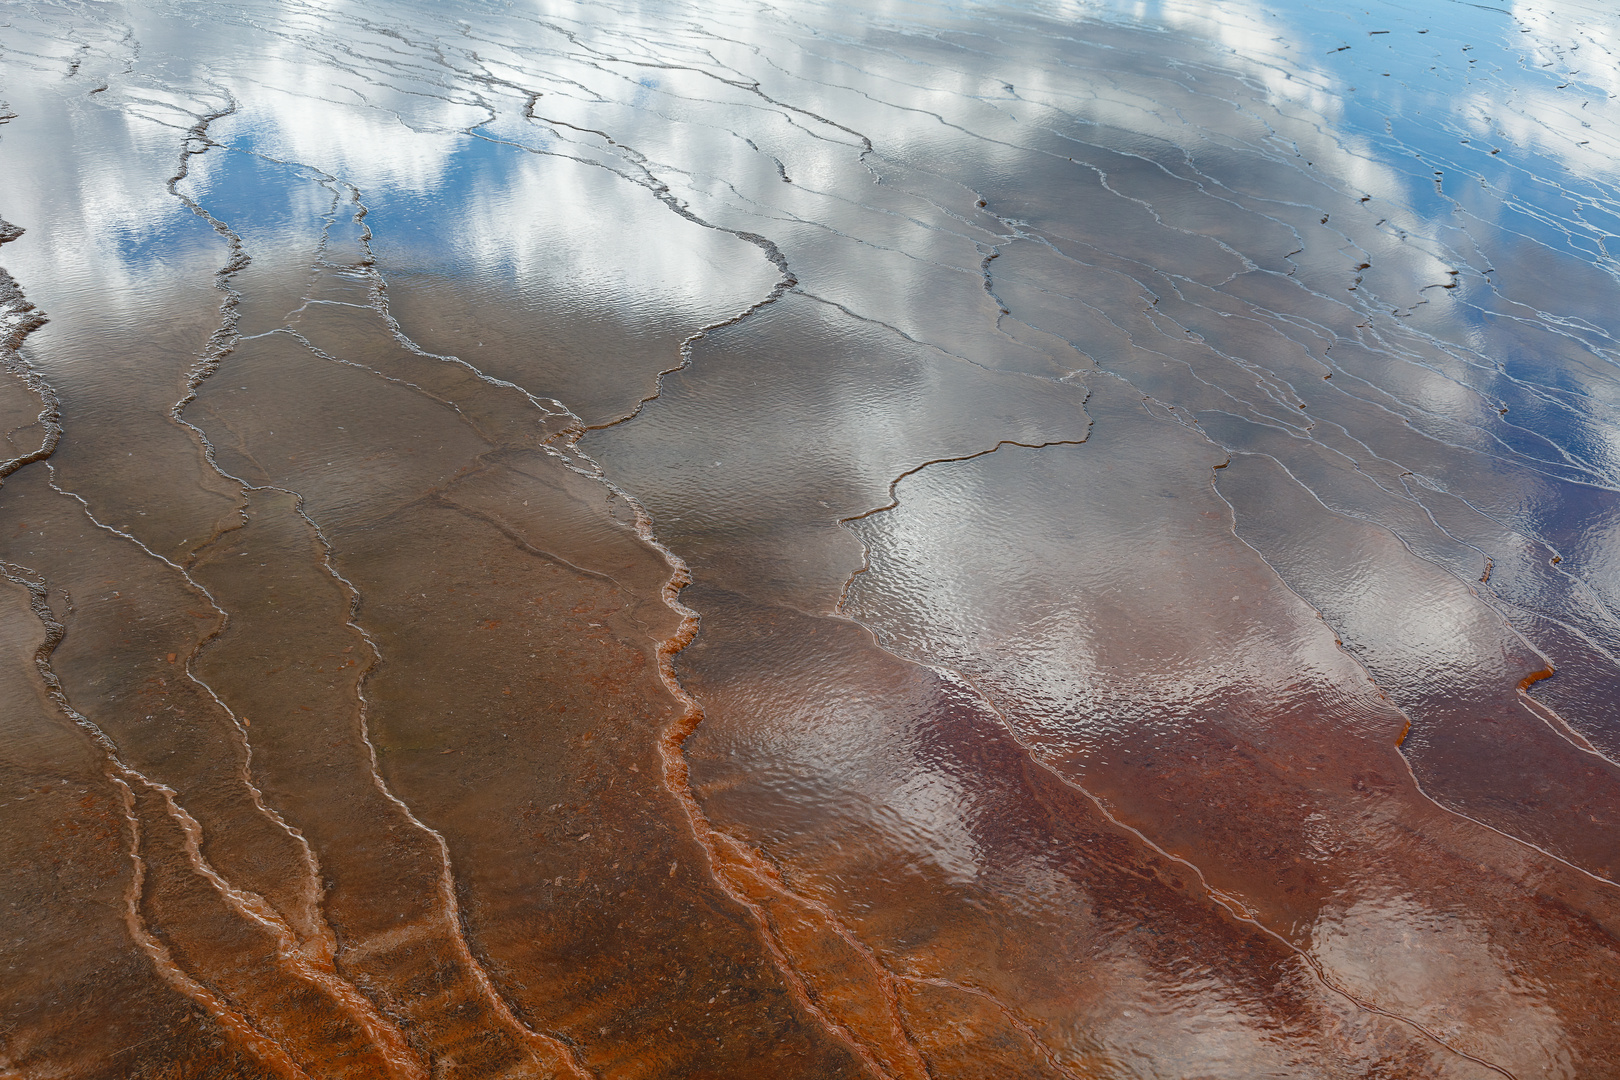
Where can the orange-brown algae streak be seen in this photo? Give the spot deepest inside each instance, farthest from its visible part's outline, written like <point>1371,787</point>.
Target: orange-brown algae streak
<point>81,991</point>
<point>1536,676</point>
<point>270,1054</point>
<point>568,969</point>
<point>545,1049</point>
<point>294,954</point>
<point>876,1034</point>
<point>343,823</point>
<point>234,912</point>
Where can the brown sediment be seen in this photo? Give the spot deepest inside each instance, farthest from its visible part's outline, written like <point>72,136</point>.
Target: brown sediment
<point>101,957</point>
<point>472,405</point>
<point>456,369</point>
<point>475,401</point>
<point>301,904</point>
<point>308,953</point>
<point>266,1050</point>
<point>393,950</point>
<point>1240,911</point>
<point>546,1048</point>
<point>294,954</point>
<point>239,959</point>
<point>861,1007</point>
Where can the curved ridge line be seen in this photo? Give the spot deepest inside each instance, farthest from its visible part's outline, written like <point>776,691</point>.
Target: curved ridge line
<point>269,1052</point>
<point>291,950</point>
<point>675,771</point>
<point>894,501</point>
<point>676,776</point>
<point>1023,1026</point>
<point>550,1046</point>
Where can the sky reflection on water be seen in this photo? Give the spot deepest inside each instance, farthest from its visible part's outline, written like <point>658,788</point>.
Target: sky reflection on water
<point>1066,539</point>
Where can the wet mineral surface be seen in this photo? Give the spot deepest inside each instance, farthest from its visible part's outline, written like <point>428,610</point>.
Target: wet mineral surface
<point>1065,539</point>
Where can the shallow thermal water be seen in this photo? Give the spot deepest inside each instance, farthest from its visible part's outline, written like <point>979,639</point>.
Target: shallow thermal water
<point>1048,539</point>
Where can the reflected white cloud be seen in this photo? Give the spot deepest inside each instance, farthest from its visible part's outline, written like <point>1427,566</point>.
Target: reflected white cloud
<point>1112,605</point>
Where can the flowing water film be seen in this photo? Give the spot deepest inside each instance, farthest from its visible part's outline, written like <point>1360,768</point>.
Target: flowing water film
<point>1067,539</point>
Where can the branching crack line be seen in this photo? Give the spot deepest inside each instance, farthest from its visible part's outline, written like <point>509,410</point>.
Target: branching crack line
<point>386,1036</point>
<point>265,1049</point>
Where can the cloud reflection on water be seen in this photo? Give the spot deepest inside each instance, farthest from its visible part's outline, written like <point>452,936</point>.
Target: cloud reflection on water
<point>1233,407</point>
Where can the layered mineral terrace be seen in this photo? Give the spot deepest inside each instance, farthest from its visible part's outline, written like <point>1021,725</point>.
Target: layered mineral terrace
<point>1034,538</point>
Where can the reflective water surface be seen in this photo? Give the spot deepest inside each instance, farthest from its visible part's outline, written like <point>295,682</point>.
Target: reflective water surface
<point>1057,538</point>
